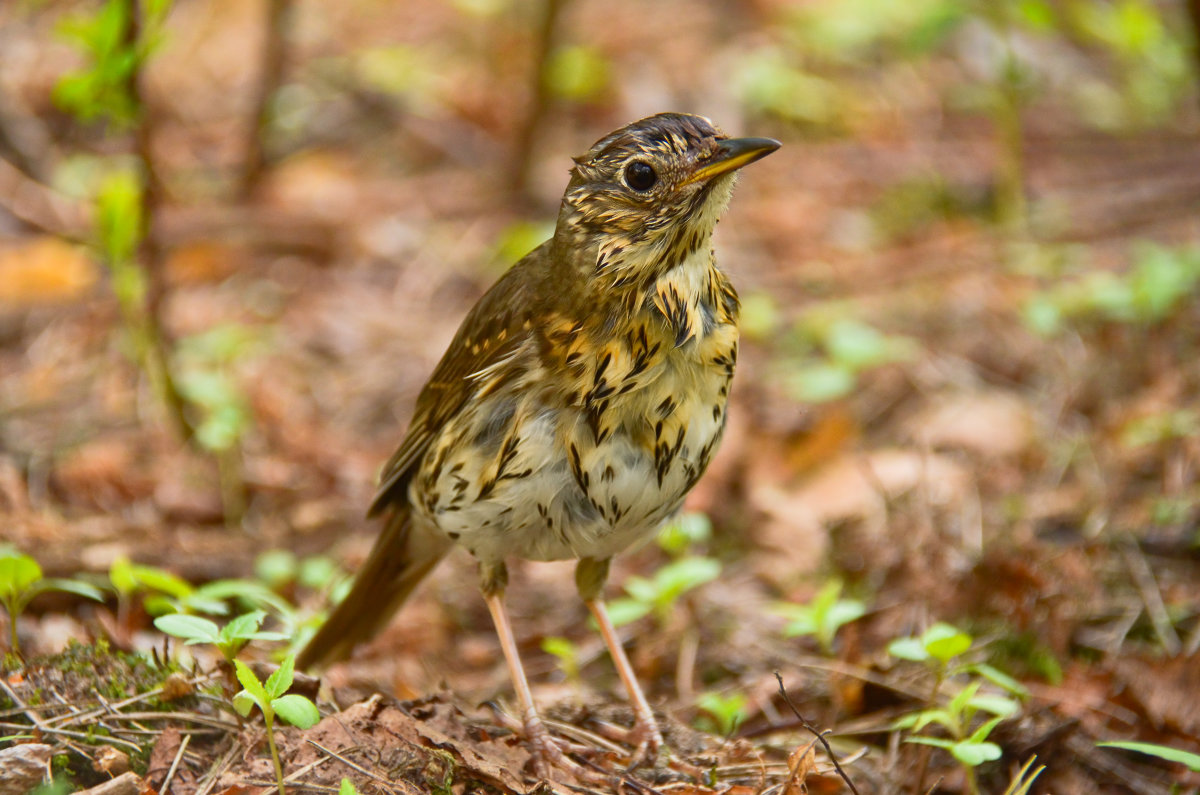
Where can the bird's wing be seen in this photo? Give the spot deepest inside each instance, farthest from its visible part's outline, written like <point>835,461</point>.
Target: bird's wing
<point>493,331</point>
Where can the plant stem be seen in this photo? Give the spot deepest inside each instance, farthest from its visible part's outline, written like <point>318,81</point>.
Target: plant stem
<point>274,753</point>
<point>13,643</point>
<point>155,345</point>
<point>926,750</point>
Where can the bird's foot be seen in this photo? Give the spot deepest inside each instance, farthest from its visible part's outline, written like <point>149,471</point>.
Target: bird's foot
<point>644,736</point>
<point>548,752</point>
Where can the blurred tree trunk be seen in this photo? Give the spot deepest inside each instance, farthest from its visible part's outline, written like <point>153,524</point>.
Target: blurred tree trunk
<point>535,115</point>
<point>270,75</point>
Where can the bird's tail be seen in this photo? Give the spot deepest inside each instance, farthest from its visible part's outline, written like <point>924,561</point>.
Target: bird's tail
<point>402,556</point>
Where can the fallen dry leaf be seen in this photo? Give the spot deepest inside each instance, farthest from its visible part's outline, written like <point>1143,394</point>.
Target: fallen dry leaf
<point>22,767</point>
<point>45,269</point>
<point>802,762</point>
<point>992,423</point>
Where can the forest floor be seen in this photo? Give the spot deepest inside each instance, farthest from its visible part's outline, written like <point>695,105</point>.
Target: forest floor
<point>904,424</point>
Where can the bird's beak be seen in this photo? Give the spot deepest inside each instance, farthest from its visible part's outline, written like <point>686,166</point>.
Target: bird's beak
<point>731,155</point>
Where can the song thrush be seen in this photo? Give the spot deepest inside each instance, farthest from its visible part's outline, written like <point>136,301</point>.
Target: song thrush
<point>580,400</point>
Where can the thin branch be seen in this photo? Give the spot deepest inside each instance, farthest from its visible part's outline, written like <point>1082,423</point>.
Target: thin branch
<point>166,785</point>
<point>274,58</point>
<point>150,252</point>
<point>817,733</point>
<point>539,108</point>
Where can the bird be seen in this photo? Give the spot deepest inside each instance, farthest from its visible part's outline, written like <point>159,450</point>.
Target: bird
<point>578,403</point>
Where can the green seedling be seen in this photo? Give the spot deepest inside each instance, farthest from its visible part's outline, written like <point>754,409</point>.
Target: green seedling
<point>834,353</point>
<point>823,616</point>
<point>228,639</point>
<point>687,531</point>
<point>279,568</point>
<point>347,787</point>
<point>272,699</point>
<point>567,654</point>
<point>168,593</point>
<point>940,647</point>
<point>659,594</point>
<point>1186,758</point>
<point>969,746</point>
<point>1157,286</point>
<point>21,580</point>
<point>722,714</point>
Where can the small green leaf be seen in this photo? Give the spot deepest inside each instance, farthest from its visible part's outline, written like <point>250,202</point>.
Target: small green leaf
<point>17,573</point>
<point>193,629</point>
<point>281,679</point>
<point>296,710</point>
<point>994,704</point>
<point>276,567</point>
<point>975,754</point>
<point>981,734</point>
<point>626,611</point>
<point>243,626</point>
<point>122,577</point>
<point>685,574</point>
<point>317,571</point>
<point>944,642</point>
<point>820,382</point>
<point>919,720</point>
<point>250,682</point>
<point>76,587</point>
<point>998,677</point>
<point>157,579</point>
<point>687,530</point>
<point>908,649</point>
<point>1186,758</point>
<point>347,787</point>
<point>244,703</point>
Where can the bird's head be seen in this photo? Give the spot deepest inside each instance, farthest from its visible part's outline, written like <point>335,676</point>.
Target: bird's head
<point>645,197</point>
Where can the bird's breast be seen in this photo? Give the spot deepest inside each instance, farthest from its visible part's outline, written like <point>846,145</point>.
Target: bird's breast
<point>596,436</point>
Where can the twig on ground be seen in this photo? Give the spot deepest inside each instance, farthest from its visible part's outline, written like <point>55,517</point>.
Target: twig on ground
<point>1143,577</point>
<point>183,744</point>
<point>819,735</point>
<point>124,784</point>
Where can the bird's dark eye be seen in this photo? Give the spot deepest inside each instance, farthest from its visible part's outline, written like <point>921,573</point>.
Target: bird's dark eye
<point>640,176</point>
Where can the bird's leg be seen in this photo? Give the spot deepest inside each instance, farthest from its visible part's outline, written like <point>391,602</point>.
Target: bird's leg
<point>645,736</point>
<point>546,751</point>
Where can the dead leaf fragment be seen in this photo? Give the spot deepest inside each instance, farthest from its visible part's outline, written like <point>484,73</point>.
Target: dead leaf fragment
<point>22,767</point>
<point>802,762</point>
<point>45,269</point>
<point>991,423</point>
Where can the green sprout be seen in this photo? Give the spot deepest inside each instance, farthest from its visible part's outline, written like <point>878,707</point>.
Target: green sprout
<point>567,654</point>
<point>659,594</point>
<point>228,639</point>
<point>939,647</point>
<point>21,580</point>
<point>823,616</point>
<point>722,714</point>
<point>969,746</point>
<point>684,532</point>
<point>272,699</point>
